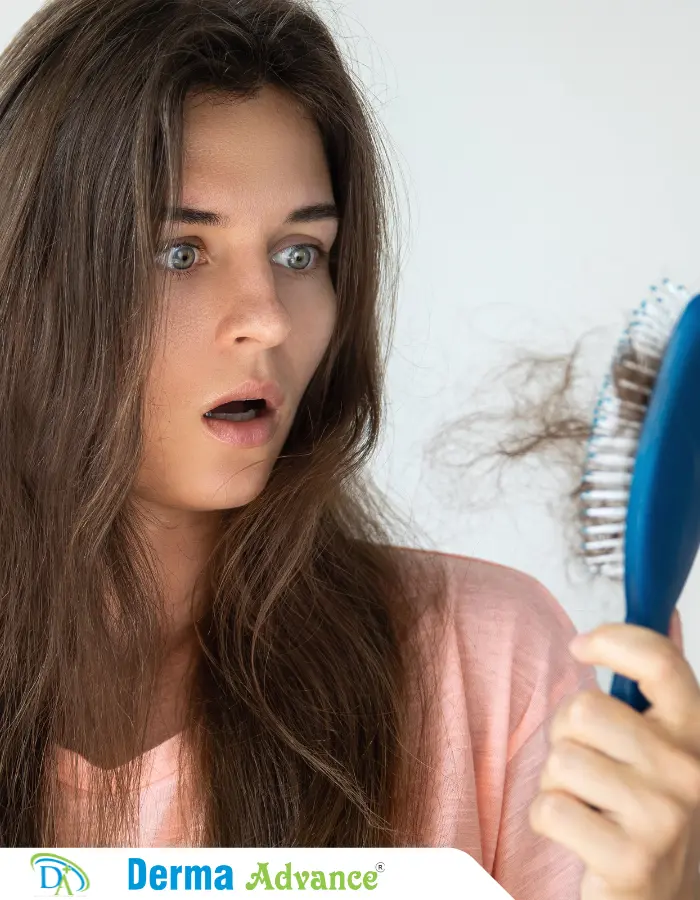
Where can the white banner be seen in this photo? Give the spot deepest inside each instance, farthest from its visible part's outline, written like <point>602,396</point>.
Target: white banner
<point>104,874</point>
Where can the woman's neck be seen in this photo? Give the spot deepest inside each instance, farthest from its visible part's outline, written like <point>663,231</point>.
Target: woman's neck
<point>181,543</point>
<point>170,710</point>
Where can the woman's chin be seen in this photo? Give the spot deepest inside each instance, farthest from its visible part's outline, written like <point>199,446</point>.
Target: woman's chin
<point>214,495</point>
<point>240,490</point>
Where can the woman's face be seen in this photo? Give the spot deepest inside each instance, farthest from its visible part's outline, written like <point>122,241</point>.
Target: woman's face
<point>249,300</point>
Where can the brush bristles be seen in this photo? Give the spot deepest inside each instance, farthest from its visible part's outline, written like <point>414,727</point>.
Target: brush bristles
<point>617,423</point>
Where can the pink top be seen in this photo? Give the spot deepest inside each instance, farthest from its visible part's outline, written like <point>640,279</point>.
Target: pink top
<point>504,669</point>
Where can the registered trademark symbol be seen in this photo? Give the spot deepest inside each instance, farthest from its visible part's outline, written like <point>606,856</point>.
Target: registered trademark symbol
<point>379,867</point>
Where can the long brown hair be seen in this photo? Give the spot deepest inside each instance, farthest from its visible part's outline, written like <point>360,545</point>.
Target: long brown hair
<point>546,419</point>
<point>299,712</point>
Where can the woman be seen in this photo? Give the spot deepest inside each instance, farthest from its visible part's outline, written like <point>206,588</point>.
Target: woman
<point>209,639</point>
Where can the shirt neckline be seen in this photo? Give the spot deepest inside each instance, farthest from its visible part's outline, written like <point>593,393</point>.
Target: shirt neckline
<point>159,763</point>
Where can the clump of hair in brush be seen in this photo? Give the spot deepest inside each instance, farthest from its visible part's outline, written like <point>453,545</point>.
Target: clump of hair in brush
<point>617,424</point>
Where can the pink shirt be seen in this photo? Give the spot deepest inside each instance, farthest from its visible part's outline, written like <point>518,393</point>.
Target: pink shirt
<point>504,668</point>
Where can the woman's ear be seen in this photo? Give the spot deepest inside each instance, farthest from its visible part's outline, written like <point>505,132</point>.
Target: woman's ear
<point>676,630</point>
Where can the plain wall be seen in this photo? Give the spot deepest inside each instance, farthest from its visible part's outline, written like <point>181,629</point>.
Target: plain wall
<point>552,161</point>
<point>551,164</point>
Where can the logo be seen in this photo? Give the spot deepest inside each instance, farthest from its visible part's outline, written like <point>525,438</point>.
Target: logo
<point>59,877</point>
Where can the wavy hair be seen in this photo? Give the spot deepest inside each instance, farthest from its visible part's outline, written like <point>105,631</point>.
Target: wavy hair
<point>299,715</point>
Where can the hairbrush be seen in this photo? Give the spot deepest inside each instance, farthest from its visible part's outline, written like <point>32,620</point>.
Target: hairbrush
<point>640,492</point>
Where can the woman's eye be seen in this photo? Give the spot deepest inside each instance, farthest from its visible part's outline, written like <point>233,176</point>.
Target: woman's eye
<point>180,258</point>
<point>301,257</point>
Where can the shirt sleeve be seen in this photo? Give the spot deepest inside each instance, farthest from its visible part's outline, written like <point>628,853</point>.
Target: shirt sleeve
<point>528,865</point>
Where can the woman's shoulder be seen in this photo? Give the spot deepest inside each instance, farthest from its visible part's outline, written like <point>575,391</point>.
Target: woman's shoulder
<point>499,637</point>
<point>477,590</point>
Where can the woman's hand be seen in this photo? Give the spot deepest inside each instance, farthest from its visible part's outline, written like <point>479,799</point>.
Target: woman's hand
<point>641,772</point>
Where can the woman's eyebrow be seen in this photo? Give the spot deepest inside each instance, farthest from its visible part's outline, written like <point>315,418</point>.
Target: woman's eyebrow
<point>187,215</point>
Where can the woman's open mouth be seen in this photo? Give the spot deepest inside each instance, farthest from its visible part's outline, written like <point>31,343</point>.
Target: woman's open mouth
<point>243,423</point>
<point>238,411</point>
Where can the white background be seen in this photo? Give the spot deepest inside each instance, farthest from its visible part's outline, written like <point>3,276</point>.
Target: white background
<point>549,155</point>
<point>552,160</point>
<point>422,872</point>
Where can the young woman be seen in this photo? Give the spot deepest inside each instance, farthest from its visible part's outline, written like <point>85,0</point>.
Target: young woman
<point>207,636</point>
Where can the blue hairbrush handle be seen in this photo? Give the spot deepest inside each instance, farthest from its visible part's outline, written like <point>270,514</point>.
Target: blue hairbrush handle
<point>625,689</point>
<point>662,533</point>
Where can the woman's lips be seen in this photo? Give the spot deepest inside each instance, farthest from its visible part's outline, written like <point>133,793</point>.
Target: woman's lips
<point>269,391</point>
<point>256,432</point>
<point>238,410</point>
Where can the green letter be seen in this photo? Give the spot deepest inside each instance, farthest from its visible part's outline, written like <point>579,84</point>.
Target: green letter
<point>370,880</point>
<point>287,875</point>
<point>351,876</point>
<point>341,875</point>
<point>302,878</point>
<point>318,881</point>
<point>63,882</point>
<point>262,875</point>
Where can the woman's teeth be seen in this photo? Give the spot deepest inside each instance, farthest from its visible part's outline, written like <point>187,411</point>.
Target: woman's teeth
<point>234,417</point>
<point>238,410</point>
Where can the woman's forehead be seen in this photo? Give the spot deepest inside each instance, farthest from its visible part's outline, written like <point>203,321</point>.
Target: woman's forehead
<point>244,156</point>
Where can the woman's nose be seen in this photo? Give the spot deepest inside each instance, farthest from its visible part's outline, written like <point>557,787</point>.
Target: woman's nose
<point>253,310</point>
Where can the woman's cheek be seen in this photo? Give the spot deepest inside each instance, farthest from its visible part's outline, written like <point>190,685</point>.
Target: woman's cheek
<point>314,319</point>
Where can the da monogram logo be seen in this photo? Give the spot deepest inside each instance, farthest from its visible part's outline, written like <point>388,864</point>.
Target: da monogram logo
<point>58,876</point>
